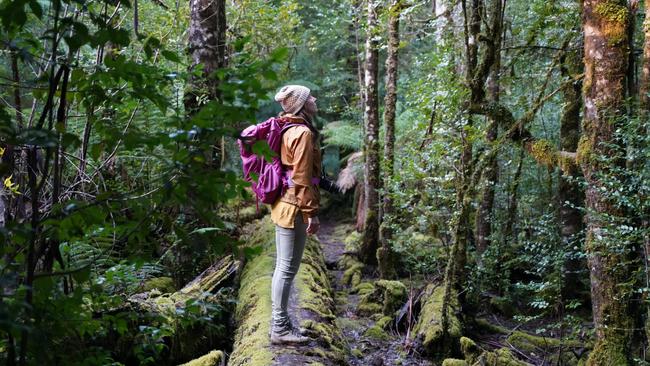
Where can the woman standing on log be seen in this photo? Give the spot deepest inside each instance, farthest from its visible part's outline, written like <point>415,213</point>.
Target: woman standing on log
<point>295,212</point>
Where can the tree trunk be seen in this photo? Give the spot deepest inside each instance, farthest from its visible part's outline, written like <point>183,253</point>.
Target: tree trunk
<point>606,48</point>
<point>490,172</point>
<point>368,250</point>
<point>570,195</point>
<point>207,47</point>
<point>644,84</point>
<point>385,254</point>
<point>644,112</point>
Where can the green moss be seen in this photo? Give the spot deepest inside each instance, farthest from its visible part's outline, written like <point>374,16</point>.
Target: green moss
<point>500,357</point>
<point>352,274</point>
<point>352,241</point>
<point>364,288</point>
<point>357,353</point>
<point>567,164</point>
<point>531,342</point>
<point>544,152</point>
<point>469,349</point>
<point>615,16</point>
<point>369,308</point>
<point>584,151</point>
<point>503,305</point>
<point>394,295</point>
<point>491,328</point>
<point>376,333</point>
<point>429,325</point>
<point>612,12</point>
<point>454,362</point>
<point>383,322</point>
<point>316,296</point>
<point>253,311</point>
<point>608,352</point>
<point>162,284</point>
<point>213,358</point>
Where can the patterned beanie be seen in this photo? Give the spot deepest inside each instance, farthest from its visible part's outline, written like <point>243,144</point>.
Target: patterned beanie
<point>292,97</point>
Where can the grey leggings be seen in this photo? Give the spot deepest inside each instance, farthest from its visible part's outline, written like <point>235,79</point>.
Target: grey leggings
<point>290,244</point>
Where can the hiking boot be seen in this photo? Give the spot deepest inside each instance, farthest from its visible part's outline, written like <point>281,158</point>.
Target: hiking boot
<point>288,335</point>
<point>301,330</point>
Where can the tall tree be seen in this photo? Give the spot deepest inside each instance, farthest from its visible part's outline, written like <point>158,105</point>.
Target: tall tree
<point>490,172</point>
<point>385,255</point>
<point>570,195</point>
<point>370,241</point>
<point>606,49</point>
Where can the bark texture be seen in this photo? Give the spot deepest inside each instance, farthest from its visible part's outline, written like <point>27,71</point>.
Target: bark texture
<point>385,254</point>
<point>490,172</point>
<point>644,84</point>
<point>606,50</point>
<point>369,244</point>
<point>570,195</point>
<point>207,47</point>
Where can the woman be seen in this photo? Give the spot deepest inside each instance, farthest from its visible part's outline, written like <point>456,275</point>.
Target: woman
<point>295,213</point>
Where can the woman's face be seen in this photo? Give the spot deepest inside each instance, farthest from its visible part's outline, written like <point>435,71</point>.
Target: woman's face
<point>310,106</point>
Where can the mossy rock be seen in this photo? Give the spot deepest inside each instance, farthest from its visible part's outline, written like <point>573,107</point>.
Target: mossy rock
<point>429,326</point>
<point>454,362</point>
<point>394,295</point>
<point>364,288</point>
<point>469,349</point>
<point>385,297</point>
<point>352,241</point>
<point>535,344</point>
<point>352,272</point>
<point>376,332</point>
<point>500,357</point>
<point>162,284</point>
<point>214,358</point>
<point>368,308</point>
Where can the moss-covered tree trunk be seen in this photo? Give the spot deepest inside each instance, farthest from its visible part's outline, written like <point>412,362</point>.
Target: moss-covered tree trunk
<point>385,254</point>
<point>606,48</point>
<point>644,112</point>
<point>368,250</point>
<point>491,170</point>
<point>570,194</point>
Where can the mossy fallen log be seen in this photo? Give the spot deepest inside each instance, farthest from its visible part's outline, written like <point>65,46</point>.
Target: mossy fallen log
<point>195,318</point>
<point>556,351</point>
<point>203,287</point>
<point>429,331</point>
<point>349,263</point>
<point>214,358</point>
<point>312,302</point>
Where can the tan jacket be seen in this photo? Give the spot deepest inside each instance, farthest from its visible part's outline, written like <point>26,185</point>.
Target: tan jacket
<point>300,153</point>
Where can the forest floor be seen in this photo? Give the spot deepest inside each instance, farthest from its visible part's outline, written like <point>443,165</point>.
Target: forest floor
<point>389,348</point>
<point>362,348</point>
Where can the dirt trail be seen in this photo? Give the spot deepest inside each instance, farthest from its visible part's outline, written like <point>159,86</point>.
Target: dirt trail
<point>364,349</point>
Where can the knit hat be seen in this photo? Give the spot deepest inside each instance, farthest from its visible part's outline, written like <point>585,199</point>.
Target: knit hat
<point>292,97</point>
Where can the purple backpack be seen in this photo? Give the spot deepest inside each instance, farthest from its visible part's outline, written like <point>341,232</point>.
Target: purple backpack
<point>271,180</point>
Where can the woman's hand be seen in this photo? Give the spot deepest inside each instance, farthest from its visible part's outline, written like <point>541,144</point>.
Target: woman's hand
<point>313,224</point>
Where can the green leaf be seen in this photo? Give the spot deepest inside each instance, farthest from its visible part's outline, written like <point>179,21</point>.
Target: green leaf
<point>262,148</point>
<point>171,56</point>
